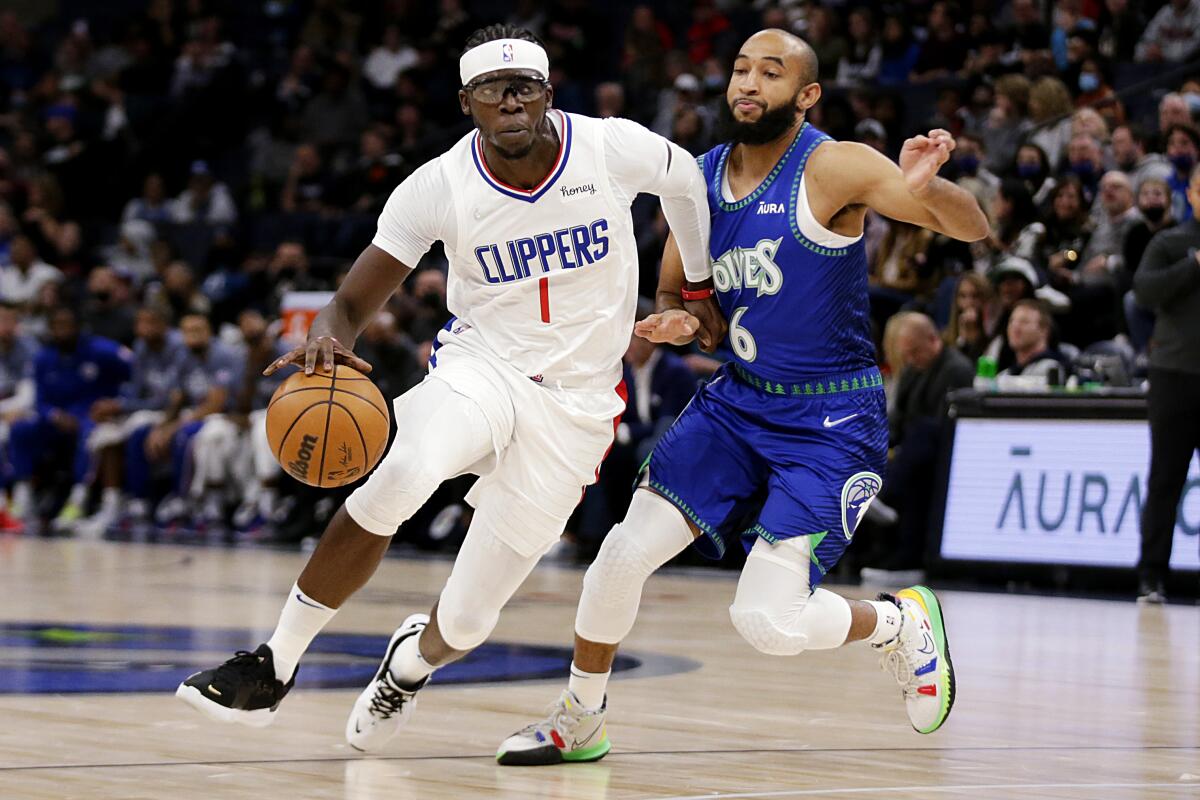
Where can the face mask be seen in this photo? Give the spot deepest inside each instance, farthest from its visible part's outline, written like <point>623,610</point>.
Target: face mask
<point>1088,82</point>
<point>1183,162</point>
<point>1028,171</point>
<point>968,165</point>
<point>1154,213</point>
<point>714,83</point>
<point>1086,170</point>
<point>102,297</point>
<point>1127,165</point>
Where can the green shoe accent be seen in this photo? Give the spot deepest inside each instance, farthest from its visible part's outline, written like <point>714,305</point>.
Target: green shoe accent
<point>69,513</point>
<point>593,753</point>
<point>946,686</point>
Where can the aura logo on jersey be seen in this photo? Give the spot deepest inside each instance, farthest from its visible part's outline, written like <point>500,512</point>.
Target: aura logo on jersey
<point>566,248</point>
<point>857,493</point>
<point>749,267</point>
<point>44,658</point>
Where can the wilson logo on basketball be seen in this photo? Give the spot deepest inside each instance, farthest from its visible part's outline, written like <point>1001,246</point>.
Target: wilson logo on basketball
<point>299,467</point>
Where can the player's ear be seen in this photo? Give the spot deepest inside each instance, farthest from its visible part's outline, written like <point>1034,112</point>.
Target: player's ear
<point>464,102</point>
<point>549,96</point>
<point>808,97</point>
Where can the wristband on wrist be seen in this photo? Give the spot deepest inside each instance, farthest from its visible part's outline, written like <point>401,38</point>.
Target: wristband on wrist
<point>698,294</point>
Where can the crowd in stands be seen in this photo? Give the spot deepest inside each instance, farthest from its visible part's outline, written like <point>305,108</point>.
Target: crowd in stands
<point>172,170</point>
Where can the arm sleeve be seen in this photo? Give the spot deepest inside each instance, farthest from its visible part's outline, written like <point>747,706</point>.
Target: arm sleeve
<point>642,161</point>
<point>1159,281</point>
<point>417,214</point>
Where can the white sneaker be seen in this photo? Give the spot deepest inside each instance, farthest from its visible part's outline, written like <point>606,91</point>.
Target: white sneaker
<point>570,732</point>
<point>383,708</point>
<point>919,658</point>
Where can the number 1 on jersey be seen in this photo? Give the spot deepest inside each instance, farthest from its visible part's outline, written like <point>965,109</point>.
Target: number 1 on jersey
<point>544,293</point>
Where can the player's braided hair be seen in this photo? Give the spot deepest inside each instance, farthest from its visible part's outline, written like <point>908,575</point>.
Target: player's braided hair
<point>493,32</point>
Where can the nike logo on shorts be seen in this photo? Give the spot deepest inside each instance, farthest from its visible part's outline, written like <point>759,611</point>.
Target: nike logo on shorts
<point>834,423</point>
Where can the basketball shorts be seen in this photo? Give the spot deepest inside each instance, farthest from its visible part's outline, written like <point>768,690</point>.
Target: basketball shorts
<point>547,442</point>
<point>754,459</point>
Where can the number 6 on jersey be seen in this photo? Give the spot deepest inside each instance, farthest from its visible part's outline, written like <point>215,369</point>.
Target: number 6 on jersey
<point>740,338</point>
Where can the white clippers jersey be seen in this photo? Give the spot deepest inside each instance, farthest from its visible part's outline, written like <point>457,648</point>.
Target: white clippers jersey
<point>545,279</point>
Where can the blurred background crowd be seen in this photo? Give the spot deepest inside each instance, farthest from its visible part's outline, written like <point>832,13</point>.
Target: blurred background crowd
<point>171,171</point>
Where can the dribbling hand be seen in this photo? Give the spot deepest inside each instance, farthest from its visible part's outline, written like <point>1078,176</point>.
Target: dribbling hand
<point>323,350</point>
<point>922,157</point>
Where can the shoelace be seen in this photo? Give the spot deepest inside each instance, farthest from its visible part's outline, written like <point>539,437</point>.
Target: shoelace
<point>558,718</point>
<point>387,701</point>
<point>897,664</point>
<point>235,668</point>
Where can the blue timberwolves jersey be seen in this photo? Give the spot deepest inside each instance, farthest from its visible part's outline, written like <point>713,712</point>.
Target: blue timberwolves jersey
<point>795,294</point>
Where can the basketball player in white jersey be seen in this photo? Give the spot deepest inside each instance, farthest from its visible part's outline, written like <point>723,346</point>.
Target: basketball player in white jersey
<point>525,379</point>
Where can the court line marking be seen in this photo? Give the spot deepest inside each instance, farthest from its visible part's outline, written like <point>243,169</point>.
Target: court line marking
<point>625,754</point>
<point>958,788</point>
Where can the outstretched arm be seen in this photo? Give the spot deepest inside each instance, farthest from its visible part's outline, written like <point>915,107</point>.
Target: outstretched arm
<point>851,174</point>
<point>679,321</point>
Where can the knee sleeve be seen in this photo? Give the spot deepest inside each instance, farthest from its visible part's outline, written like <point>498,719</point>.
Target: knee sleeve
<point>774,609</point>
<point>441,434</point>
<point>486,574</point>
<point>652,534</point>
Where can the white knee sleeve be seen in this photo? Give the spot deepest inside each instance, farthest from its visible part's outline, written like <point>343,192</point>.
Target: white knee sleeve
<point>440,434</point>
<point>486,573</point>
<point>774,610</point>
<point>653,533</point>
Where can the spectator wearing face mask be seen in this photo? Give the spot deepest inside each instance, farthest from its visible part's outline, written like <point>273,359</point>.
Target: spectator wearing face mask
<point>1183,150</point>
<point>1085,160</point>
<point>1154,203</point>
<point>969,159</point>
<point>1033,168</point>
<point>1131,152</point>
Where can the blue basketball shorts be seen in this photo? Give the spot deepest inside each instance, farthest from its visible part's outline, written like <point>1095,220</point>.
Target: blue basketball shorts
<point>751,458</point>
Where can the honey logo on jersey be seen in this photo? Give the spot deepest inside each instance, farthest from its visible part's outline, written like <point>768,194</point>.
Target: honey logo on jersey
<point>749,267</point>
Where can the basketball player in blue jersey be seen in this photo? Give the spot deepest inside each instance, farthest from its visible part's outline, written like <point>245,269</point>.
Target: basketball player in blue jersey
<point>787,446</point>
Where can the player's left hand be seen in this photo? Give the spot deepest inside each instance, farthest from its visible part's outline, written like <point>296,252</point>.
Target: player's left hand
<point>673,326</point>
<point>922,157</point>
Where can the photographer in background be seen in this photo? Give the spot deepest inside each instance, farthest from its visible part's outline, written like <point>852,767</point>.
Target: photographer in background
<point>1168,283</point>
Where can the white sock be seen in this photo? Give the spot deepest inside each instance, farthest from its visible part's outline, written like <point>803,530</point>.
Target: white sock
<point>110,499</point>
<point>78,495</point>
<point>22,497</point>
<point>266,501</point>
<point>409,667</point>
<point>588,687</point>
<point>887,624</point>
<point>300,621</point>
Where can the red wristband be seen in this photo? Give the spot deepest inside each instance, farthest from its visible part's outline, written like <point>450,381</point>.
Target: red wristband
<point>699,294</point>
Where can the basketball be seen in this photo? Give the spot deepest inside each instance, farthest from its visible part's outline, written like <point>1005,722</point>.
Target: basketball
<point>328,430</point>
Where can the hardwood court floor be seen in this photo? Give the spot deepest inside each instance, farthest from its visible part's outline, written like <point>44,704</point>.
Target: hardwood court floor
<point>1058,698</point>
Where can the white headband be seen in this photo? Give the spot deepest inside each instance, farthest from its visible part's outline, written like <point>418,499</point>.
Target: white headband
<point>503,54</point>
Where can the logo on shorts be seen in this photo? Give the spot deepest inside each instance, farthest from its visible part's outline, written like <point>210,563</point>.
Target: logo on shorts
<point>299,467</point>
<point>506,53</point>
<point>857,494</point>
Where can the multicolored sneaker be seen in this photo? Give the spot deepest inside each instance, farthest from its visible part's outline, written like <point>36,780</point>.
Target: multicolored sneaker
<point>570,732</point>
<point>919,658</point>
<point>384,706</point>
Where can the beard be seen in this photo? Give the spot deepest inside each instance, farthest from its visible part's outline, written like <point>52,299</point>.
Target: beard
<point>771,124</point>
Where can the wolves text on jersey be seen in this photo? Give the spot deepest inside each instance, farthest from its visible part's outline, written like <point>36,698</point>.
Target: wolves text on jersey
<point>751,267</point>
<point>567,248</point>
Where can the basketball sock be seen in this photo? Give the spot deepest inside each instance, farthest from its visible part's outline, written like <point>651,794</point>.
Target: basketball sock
<point>300,621</point>
<point>588,687</point>
<point>409,667</point>
<point>22,498</point>
<point>887,624</point>
<point>78,495</point>
<point>110,499</point>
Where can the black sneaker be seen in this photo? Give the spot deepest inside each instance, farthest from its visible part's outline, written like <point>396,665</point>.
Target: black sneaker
<point>1151,592</point>
<point>244,689</point>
